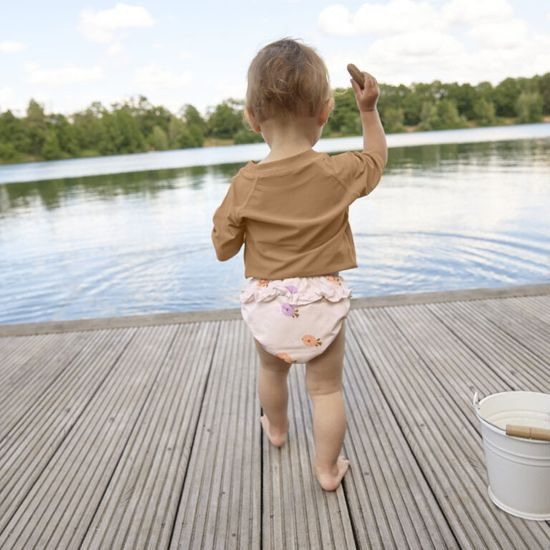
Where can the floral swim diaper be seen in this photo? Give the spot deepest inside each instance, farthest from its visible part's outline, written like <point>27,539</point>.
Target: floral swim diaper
<point>297,318</point>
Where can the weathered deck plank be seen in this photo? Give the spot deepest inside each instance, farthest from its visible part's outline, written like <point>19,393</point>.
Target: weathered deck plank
<point>144,432</point>
<point>61,503</point>
<point>507,358</point>
<point>448,448</point>
<point>300,514</point>
<point>220,501</point>
<point>16,351</point>
<point>391,503</point>
<point>38,367</point>
<point>525,328</point>
<point>32,440</point>
<point>144,489</point>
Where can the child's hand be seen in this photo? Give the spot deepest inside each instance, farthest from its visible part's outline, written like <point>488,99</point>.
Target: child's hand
<point>367,97</point>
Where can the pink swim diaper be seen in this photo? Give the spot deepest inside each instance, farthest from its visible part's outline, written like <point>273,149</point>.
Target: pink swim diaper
<point>297,318</point>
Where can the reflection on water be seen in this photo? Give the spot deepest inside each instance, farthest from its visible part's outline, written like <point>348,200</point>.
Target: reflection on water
<point>210,156</point>
<point>444,217</point>
<point>52,193</point>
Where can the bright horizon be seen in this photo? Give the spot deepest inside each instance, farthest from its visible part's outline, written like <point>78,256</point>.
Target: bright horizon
<point>67,54</point>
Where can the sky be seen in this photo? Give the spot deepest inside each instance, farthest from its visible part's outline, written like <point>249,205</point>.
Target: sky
<point>68,53</point>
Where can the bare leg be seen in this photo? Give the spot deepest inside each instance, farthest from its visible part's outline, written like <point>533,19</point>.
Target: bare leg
<point>273,393</point>
<point>324,383</point>
<point>329,428</point>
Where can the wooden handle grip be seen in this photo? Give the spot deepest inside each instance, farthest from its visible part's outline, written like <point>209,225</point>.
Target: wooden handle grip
<point>357,75</point>
<point>527,432</point>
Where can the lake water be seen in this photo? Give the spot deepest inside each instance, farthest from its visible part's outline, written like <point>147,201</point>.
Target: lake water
<point>444,217</point>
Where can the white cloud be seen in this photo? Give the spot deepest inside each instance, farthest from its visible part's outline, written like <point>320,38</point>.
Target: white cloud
<point>114,49</point>
<point>6,96</point>
<point>403,16</point>
<point>103,26</point>
<point>402,58</point>
<point>337,19</point>
<point>386,60</point>
<point>503,34</point>
<point>477,11</point>
<point>61,76</point>
<point>9,46</point>
<point>152,76</point>
<point>456,40</point>
<point>417,44</point>
<point>393,17</point>
<point>226,89</point>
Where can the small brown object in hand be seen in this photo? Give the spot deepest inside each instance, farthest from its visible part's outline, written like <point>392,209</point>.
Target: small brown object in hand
<point>357,75</point>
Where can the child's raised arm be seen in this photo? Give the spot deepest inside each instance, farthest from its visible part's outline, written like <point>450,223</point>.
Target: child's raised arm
<point>374,139</point>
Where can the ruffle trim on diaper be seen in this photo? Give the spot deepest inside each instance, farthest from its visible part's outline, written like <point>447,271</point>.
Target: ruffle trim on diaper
<point>297,290</point>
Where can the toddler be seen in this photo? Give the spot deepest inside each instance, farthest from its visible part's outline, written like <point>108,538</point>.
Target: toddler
<point>291,213</point>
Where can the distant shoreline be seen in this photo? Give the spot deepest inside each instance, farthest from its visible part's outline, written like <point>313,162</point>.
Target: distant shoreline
<point>236,154</point>
<point>230,142</point>
<point>136,125</point>
<point>217,142</point>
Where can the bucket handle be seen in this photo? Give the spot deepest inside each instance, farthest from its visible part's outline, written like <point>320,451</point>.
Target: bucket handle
<point>475,403</point>
<point>540,434</point>
<point>525,432</point>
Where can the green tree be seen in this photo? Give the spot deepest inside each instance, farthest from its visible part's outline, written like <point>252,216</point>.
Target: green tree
<point>393,120</point>
<point>65,133</point>
<point>247,136</point>
<point>412,108</point>
<point>485,90</point>
<point>505,97</point>
<point>529,106</point>
<point>196,125</point>
<point>448,114</point>
<point>8,152</point>
<point>544,90</point>
<point>226,119</point>
<point>344,119</point>
<point>13,137</point>
<point>89,130</point>
<point>414,102</point>
<point>464,96</point>
<point>484,111</point>
<point>176,129</point>
<point>36,126</point>
<point>146,114</point>
<point>390,106</point>
<point>181,137</point>
<point>51,149</point>
<point>440,116</point>
<point>194,119</point>
<point>428,116</point>
<point>158,139</point>
<point>122,133</point>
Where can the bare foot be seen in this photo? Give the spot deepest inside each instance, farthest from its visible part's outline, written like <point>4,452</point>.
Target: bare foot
<point>330,479</point>
<point>276,439</point>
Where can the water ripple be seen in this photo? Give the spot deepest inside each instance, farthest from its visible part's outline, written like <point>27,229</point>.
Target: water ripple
<point>444,218</point>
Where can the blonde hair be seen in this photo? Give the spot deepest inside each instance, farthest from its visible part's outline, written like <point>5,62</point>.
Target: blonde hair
<point>287,78</point>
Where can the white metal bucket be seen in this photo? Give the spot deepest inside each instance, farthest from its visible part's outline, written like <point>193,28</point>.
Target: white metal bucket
<point>518,469</point>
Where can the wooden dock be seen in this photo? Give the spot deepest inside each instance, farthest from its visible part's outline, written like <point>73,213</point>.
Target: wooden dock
<point>144,432</point>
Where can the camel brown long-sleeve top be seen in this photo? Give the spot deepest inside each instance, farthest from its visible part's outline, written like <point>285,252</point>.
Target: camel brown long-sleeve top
<point>292,214</point>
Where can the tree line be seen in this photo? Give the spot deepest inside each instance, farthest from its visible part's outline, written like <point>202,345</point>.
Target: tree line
<point>136,125</point>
